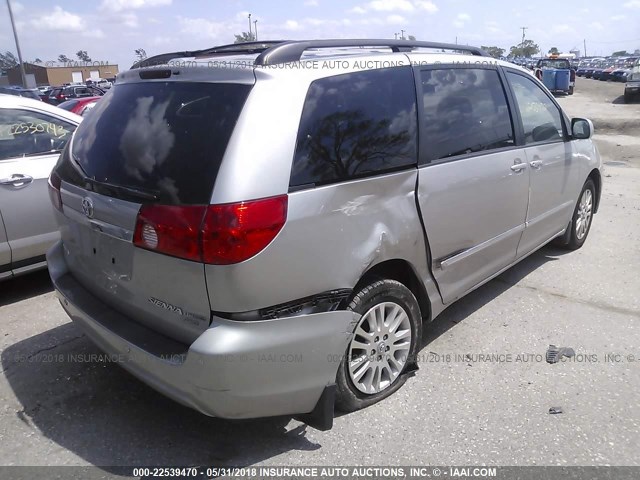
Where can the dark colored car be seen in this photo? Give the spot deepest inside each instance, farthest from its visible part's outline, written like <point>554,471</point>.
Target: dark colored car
<point>21,92</point>
<point>594,70</point>
<point>62,94</point>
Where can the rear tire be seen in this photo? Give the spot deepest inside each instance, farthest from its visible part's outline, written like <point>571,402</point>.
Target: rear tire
<point>385,341</point>
<point>582,216</point>
<point>570,90</point>
<point>628,98</point>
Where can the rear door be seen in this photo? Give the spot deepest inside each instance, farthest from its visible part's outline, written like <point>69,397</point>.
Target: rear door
<point>155,146</point>
<point>30,144</point>
<point>473,179</point>
<point>555,178</point>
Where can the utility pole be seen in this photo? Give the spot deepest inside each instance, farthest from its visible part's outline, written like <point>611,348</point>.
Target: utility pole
<point>15,36</point>
<point>255,24</point>
<point>250,26</point>
<point>402,31</point>
<point>523,30</point>
<point>456,39</point>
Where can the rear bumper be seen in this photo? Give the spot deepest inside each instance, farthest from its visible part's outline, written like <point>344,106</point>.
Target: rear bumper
<point>233,370</point>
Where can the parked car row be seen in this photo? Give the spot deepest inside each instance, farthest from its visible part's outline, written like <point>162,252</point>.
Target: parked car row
<point>616,69</point>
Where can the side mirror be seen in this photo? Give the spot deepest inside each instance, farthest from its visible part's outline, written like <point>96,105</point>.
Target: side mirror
<point>581,128</point>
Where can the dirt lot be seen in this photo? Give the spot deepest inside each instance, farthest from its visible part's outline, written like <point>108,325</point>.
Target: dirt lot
<point>617,124</point>
<point>459,409</point>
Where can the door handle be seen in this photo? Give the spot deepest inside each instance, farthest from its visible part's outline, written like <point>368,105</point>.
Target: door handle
<point>17,180</point>
<point>536,164</point>
<point>516,167</point>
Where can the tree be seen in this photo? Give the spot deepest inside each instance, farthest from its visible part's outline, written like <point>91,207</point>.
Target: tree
<point>37,60</point>
<point>412,38</point>
<point>245,37</point>
<point>83,56</point>
<point>495,52</point>
<point>526,49</point>
<point>62,58</point>
<point>140,54</point>
<point>7,60</point>
<point>620,53</point>
<point>554,51</point>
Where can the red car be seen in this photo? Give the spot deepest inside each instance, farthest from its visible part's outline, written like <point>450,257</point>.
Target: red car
<point>79,106</point>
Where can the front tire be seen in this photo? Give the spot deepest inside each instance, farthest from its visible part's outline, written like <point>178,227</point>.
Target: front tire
<point>582,216</point>
<point>385,341</point>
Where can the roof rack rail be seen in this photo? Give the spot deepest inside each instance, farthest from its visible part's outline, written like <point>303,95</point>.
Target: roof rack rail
<point>273,52</point>
<point>245,48</point>
<point>292,51</point>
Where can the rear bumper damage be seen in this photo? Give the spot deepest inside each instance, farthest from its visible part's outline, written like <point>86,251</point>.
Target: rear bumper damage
<point>235,369</point>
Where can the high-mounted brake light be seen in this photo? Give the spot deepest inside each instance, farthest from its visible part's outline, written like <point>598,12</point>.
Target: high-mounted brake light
<point>214,234</point>
<point>54,190</point>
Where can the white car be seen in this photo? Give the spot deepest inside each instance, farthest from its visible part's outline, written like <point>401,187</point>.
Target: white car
<point>102,83</point>
<point>32,135</point>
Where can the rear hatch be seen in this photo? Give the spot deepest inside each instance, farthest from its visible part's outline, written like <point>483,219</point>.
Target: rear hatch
<point>149,152</point>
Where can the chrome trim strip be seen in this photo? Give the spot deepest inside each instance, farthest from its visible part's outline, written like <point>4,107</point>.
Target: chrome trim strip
<point>448,262</point>
<point>548,213</point>
<point>30,268</point>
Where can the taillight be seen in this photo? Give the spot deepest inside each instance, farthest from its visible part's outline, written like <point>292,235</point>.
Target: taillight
<point>214,234</point>
<point>54,190</point>
<point>172,230</point>
<point>234,232</point>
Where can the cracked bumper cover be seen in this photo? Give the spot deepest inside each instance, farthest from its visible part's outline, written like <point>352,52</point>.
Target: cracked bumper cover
<point>233,370</point>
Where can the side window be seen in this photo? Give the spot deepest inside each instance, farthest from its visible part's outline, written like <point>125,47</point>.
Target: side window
<point>354,125</point>
<point>465,111</point>
<point>540,117</point>
<point>24,133</point>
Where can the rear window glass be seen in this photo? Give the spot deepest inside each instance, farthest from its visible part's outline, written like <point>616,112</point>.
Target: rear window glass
<point>165,138</point>
<point>559,64</point>
<point>68,105</point>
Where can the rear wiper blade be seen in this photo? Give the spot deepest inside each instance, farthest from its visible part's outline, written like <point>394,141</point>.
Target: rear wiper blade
<point>134,192</point>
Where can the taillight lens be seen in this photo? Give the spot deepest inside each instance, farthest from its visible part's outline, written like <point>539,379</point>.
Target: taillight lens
<point>214,234</point>
<point>54,190</point>
<point>172,230</point>
<point>235,232</point>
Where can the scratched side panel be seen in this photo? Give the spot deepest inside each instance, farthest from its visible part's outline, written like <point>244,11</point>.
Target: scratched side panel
<point>332,236</point>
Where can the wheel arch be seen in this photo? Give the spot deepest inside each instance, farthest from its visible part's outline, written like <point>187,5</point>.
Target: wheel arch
<point>403,272</point>
<point>597,180</point>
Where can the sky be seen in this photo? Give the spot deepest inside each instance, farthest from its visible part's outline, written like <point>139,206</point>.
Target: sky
<point>110,30</point>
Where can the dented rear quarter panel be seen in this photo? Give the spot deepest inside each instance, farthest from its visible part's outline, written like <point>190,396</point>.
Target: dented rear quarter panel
<point>333,235</point>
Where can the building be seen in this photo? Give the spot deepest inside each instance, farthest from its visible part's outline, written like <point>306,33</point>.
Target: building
<point>57,73</point>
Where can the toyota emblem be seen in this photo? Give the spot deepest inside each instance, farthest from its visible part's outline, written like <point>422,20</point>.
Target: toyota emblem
<point>87,207</point>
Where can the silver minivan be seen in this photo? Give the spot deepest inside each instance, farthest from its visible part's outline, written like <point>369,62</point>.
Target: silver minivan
<point>264,229</point>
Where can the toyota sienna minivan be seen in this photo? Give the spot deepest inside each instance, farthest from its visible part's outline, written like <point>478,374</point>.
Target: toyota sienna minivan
<point>264,229</point>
